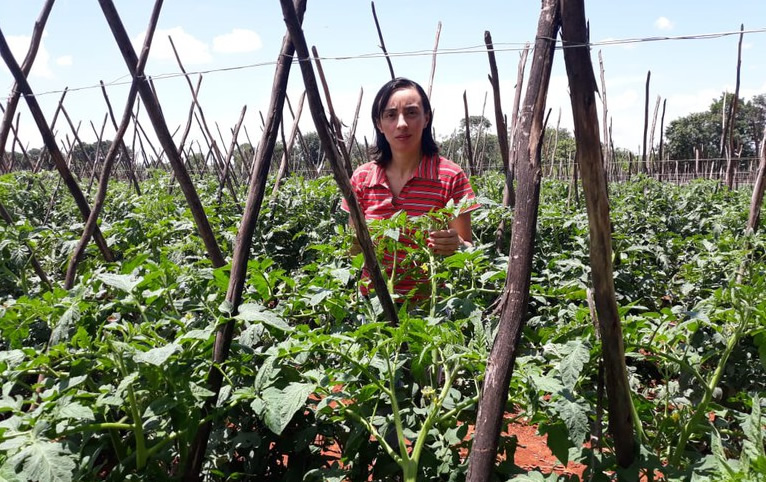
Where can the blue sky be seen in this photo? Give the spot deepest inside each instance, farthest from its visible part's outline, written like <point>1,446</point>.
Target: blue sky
<point>78,51</point>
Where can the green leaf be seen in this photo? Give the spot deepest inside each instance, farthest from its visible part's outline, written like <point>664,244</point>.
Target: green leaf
<point>122,282</point>
<point>43,461</point>
<point>75,410</point>
<point>558,440</point>
<point>66,322</point>
<point>571,365</point>
<point>281,405</point>
<point>157,356</point>
<point>255,312</point>
<point>575,417</point>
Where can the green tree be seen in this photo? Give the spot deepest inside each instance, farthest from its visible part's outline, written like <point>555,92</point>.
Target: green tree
<point>702,130</point>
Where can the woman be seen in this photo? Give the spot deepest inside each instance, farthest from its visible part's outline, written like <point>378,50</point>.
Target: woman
<point>408,174</point>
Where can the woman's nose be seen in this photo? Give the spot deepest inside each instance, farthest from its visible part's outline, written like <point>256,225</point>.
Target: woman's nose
<point>401,121</point>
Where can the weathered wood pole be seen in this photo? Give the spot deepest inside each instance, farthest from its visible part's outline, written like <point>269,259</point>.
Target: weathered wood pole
<point>468,148</point>
<point>433,59</point>
<point>607,143</point>
<point>516,293</point>
<point>242,245</point>
<point>756,201</point>
<point>582,88</point>
<point>731,163</point>
<point>50,143</point>
<point>127,159</point>
<point>382,42</point>
<point>661,148</point>
<point>330,149</point>
<point>288,146</point>
<point>334,120</point>
<point>227,169</point>
<point>161,129</point>
<point>500,125</point>
<point>26,67</point>
<point>644,166</point>
<point>652,157</point>
<point>111,155</point>
<point>352,132</point>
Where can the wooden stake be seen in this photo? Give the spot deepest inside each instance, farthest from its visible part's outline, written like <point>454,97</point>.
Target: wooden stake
<point>582,87</point>
<point>161,129</point>
<point>513,304</point>
<point>50,143</point>
<point>382,42</point>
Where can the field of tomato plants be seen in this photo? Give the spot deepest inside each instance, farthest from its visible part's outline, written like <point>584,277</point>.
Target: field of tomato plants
<point>107,381</point>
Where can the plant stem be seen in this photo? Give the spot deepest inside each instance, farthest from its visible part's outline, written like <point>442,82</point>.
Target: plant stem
<point>696,418</point>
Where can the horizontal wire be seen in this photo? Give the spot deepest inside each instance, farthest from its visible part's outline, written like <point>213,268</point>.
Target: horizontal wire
<point>474,49</point>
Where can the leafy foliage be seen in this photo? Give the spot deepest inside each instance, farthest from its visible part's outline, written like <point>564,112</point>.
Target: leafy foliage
<point>107,381</point>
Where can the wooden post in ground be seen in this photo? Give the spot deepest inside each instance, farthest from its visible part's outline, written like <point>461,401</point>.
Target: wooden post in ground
<point>26,67</point>
<point>582,88</point>
<point>756,201</point>
<point>161,129</point>
<point>644,166</point>
<point>289,146</point>
<point>607,137</point>
<point>382,42</point>
<point>468,149</point>
<point>127,158</point>
<point>500,125</point>
<point>242,245</point>
<point>111,155</point>
<point>334,120</point>
<point>731,163</point>
<point>513,305</point>
<point>652,157</point>
<point>50,143</point>
<point>433,59</point>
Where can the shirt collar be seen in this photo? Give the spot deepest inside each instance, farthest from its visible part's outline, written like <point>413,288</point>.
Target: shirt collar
<point>427,169</point>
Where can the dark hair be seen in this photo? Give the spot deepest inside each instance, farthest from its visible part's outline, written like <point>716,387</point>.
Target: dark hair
<point>381,151</point>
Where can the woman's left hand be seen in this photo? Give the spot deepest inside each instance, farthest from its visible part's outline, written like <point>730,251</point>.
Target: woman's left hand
<point>444,242</point>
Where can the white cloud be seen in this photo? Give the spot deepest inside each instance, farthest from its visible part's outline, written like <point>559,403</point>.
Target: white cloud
<point>64,61</point>
<point>19,46</point>
<point>237,41</point>
<point>663,23</point>
<point>191,50</point>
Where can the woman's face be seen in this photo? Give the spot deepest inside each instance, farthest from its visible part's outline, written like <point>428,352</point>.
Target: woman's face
<point>402,121</point>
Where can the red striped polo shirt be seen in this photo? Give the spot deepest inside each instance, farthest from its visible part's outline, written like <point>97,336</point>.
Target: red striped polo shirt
<point>435,182</point>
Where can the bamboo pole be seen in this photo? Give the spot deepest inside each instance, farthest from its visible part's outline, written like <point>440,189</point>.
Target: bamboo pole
<point>513,303</point>
<point>582,88</point>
